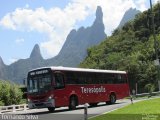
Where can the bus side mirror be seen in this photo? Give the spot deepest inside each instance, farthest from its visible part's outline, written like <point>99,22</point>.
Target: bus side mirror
<point>25,82</point>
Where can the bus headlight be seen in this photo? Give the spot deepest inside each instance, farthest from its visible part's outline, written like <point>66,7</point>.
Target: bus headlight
<point>28,100</point>
<point>50,97</point>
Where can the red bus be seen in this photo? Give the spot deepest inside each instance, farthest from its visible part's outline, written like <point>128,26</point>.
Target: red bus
<point>53,87</point>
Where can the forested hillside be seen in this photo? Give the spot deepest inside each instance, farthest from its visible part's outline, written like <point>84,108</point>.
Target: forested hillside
<point>130,48</point>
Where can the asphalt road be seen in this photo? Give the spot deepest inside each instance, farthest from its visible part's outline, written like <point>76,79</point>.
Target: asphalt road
<point>65,114</point>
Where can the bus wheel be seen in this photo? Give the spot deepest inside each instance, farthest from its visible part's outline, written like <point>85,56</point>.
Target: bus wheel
<point>112,99</point>
<point>51,109</point>
<point>93,104</point>
<point>73,103</point>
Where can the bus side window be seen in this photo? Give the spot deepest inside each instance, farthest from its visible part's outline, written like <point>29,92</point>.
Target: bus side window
<point>109,78</point>
<point>59,80</point>
<point>124,77</point>
<point>119,79</point>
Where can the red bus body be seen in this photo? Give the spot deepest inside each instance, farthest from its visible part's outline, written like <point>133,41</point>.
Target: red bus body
<point>78,86</point>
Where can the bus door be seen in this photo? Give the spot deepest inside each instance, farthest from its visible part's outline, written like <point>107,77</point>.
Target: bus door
<point>59,85</point>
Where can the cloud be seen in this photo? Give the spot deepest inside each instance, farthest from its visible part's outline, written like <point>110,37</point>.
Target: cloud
<point>19,40</point>
<point>141,4</point>
<point>155,1</point>
<point>7,22</point>
<point>56,23</point>
<point>12,60</point>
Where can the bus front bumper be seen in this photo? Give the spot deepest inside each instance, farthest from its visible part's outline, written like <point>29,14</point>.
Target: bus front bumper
<point>49,103</point>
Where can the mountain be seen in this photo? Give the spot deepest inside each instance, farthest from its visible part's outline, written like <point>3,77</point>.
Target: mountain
<point>1,63</point>
<point>36,54</point>
<point>18,70</point>
<point>3,68</point>
<point>74,49</point>
<point>72,53</point>
<point>128,15</point>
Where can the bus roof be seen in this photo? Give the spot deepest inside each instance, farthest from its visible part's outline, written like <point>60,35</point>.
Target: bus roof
<point>81,69</point>
<point>86,70</point>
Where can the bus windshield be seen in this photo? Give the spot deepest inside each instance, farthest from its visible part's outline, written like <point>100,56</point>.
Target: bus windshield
<point>39,84</point>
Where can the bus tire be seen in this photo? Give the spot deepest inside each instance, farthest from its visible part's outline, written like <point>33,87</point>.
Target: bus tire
<point>51,109</point>
<point>72,103</point>
<point>93,104</point>
<point>112,98</point>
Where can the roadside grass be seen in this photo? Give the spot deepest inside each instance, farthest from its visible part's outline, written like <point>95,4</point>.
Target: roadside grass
<point>144,110</point>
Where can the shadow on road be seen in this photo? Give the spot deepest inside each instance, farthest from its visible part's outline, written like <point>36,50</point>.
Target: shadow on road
<point>66,109</point>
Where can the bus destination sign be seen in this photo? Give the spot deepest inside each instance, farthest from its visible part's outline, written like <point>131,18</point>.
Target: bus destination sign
<point>38,72</point>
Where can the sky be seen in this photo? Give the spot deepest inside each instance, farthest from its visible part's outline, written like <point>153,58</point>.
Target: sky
<point>24,23</point>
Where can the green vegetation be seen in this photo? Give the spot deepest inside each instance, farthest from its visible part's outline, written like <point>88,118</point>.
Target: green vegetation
<point>137,111</point>
<point>150,88</point>
<point>9,93</point>
<point>130,48</point>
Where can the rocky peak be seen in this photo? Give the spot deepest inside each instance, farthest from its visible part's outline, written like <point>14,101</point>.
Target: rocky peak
<point>1,62</point>
<point>128,15</point>
<point>98,23</point>
<point>99,15</point>
<point>36,52</point>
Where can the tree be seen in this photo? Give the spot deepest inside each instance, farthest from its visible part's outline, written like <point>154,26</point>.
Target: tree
<point>150,88</point>
<point>9,93</point>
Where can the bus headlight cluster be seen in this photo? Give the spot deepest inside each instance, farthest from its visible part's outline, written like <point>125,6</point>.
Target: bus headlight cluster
<point>50,97</point>
<point>28,100</point>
